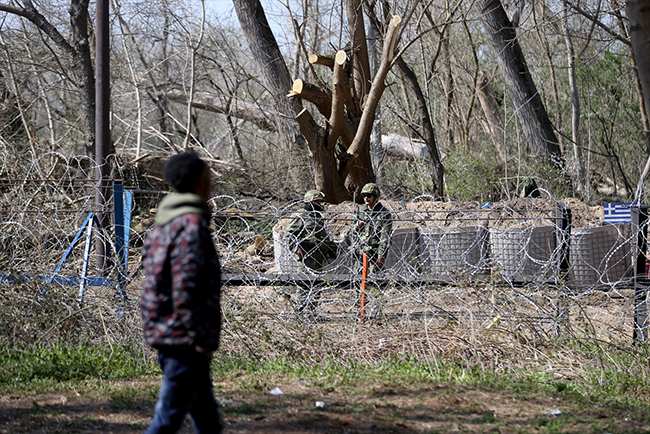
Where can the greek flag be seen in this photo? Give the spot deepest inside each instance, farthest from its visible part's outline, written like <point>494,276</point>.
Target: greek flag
<point>617,212</point>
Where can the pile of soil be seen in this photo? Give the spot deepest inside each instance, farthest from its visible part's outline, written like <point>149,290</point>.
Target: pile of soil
<point>584,215</point>
<point>512,213</point>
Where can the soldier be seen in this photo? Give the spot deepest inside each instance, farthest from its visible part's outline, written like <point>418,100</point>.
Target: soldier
<point>529,188</point>
<point>308,238</point>
<point>372,229</point>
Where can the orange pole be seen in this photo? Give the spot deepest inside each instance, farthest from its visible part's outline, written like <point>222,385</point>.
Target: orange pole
<point>364,277</point>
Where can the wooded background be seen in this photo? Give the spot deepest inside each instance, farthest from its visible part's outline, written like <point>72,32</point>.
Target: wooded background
<point>479,93</point>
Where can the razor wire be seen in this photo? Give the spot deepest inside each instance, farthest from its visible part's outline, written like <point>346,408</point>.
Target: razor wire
<point>449,264</point>
<point>452,265</point>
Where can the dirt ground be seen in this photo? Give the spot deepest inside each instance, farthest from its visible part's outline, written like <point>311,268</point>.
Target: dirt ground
<point>416,408</point>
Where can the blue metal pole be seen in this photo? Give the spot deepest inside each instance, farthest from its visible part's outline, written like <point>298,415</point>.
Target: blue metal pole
<point>84,268</point>
<point>66,254</point>
<point>128,203</point>
<point>118,207</point>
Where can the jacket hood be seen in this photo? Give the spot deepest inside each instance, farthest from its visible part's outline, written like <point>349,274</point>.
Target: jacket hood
<point>177,204</point>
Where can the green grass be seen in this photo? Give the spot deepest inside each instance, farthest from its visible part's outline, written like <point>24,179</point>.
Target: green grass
<point>612,377</point>
<point>33,366</point>
<point>621,378</point>
<point>602,389</point>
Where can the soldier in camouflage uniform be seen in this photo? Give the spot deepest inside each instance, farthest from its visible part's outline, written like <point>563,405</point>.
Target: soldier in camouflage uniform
<point>372,228</point>
<point>307,236</point>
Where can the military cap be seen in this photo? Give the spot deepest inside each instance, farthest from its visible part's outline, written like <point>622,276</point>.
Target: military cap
<point>371,188</point>
<point>314,195</point>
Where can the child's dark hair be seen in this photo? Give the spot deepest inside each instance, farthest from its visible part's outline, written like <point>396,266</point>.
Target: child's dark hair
<point>183,171</point>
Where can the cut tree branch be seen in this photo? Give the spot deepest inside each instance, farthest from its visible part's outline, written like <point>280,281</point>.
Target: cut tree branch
<point>323,102</point>
<point>309,92</point>
<point>338,98</point>
<point>319,59</point>
<point>377,89</point>
<point>240,110</point>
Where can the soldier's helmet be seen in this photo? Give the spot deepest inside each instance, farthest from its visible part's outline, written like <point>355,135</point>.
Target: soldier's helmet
<point>314,195</point>
<point>371,188</point>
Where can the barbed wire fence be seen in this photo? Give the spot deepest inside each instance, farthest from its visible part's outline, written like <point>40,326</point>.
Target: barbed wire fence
<point>458,275</point>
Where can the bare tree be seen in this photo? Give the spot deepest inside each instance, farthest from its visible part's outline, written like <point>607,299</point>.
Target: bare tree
<point>638,12</point>
<point>426,130</point>
<point>77,55</point>
<point>575,103</point>
<point>492,113</point>
<point>341,149</point>
<point>523,92</point>
<point>264,47</point>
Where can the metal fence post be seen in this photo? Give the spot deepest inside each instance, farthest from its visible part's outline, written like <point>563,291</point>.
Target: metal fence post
<point>122,201</point>
<point>639,214</point>
<point>563,238</point>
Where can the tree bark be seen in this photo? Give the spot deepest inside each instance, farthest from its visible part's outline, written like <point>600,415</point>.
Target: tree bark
<point>528,103</point>
<point>437,169</point>
<point>274,70</point>
<point>638,12</point>
<point>639,89</point>
<point>575,104</point>
<point>359,53</point>
<point>491,111</point>
<point>209,102</point>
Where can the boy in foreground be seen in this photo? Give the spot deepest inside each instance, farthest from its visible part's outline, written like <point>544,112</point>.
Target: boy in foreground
<point>180,304</point>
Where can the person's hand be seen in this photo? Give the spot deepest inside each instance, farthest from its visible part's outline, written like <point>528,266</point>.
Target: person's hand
<point>299,252</point>
<point>203,351</point>
<point>359,223</point>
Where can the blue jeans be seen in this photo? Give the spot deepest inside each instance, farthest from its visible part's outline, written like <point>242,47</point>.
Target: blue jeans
<point>186,388</point>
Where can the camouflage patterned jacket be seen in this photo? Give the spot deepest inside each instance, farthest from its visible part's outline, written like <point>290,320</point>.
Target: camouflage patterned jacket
<point>373,235</point>
<point>308,238</point>
<point>180,302</point>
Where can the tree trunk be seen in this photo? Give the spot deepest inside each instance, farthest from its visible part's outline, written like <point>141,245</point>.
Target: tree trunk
<point>575,112</point>
<point>491,111</point>
<point>639,90</point>
<point>274,70</point>
<point>376,147</point>
<point>361,62</point>
<point>543,40</point>
<point>84,70</point>
<point>638,12</point>
<point>535,122</point>
<point>437,169</point>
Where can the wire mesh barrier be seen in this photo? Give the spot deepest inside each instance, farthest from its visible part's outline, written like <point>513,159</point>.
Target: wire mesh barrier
<point>470,267</point>
<point>517,270</point>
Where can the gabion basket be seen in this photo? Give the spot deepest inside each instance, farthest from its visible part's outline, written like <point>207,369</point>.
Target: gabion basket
<point>404,255</point>
<point>286,262</point>
<point>456,250</point>
<point>523,253</point>
<point>600,256</point>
